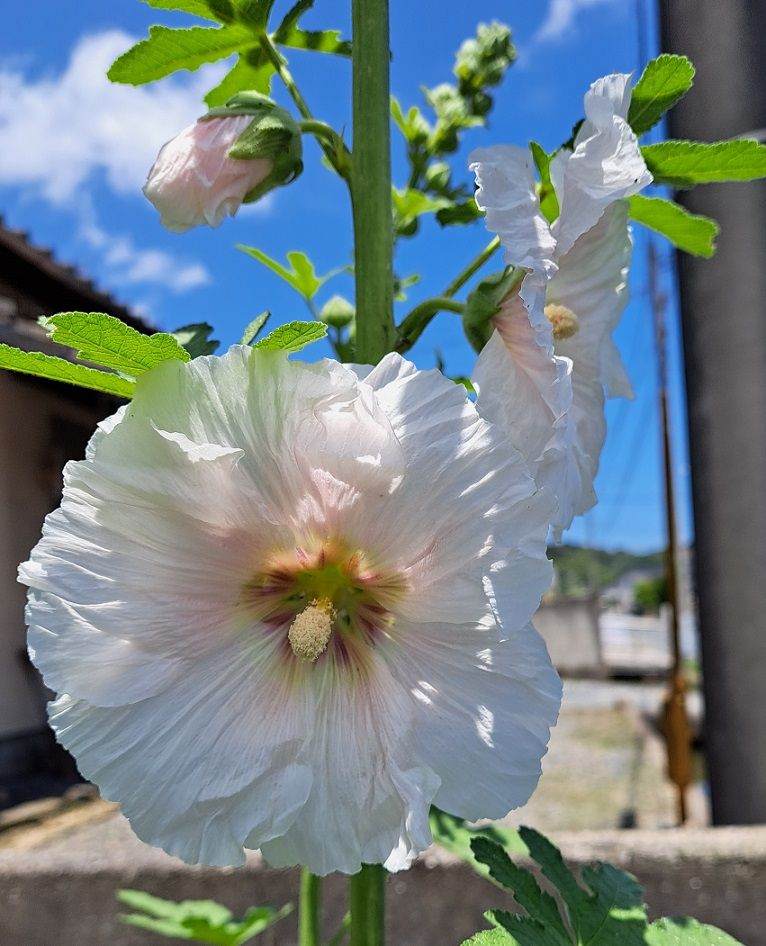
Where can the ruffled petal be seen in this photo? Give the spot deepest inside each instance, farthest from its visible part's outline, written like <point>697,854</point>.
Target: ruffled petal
<point>482,707</point>
<point>606,164</point>
<point>505,175</point>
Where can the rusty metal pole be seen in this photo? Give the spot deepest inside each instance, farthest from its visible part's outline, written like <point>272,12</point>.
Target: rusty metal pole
<point>675,720</point>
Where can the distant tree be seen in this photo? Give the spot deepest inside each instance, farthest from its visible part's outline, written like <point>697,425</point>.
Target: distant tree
<point>649,594</point>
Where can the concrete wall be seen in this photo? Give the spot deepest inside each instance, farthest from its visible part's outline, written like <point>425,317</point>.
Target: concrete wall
<point>40,428</point>
<point>62,893</point>
<point>570,630</point>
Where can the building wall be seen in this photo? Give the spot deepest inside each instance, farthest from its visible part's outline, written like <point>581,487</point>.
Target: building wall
<point>570,630</point>
<point>40,428</point>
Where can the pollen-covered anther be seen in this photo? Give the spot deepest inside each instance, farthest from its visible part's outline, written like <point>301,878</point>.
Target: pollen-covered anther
<point>311,630</point>
<point>565,323</point>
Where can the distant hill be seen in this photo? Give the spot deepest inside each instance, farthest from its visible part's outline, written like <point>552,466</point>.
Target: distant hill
<point>580,570</point>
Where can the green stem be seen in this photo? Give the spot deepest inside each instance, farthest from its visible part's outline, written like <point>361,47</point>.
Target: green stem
<point>371,181</point>
<point>459,281</point>
<point>342,931</point>
<point>327,136</point>
<point>310,898</point>
<point>280,66</point>
<point>367,899</point>
<point>412,327</point>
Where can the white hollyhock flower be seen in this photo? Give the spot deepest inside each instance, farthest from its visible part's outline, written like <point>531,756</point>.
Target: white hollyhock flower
<point>287,606</point>
<point>542,375</point>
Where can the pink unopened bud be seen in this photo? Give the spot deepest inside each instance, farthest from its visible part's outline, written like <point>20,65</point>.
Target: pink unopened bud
<point>194,181</point>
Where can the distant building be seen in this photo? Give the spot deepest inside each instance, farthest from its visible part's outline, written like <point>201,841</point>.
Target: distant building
<point>42,425</point>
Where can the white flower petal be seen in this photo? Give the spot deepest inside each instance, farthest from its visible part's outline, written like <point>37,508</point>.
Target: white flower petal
<point>606,164</point>
<point>505,175</point>
<point>483,707</point>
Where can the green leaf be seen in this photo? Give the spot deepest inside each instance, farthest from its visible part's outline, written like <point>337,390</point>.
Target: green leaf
<point>252,330</point>
<point>540,905</point>
<point>455,836</point>
<point>686,163</point>
<point>253,70</point>
<point>105,340</point>
<point>289,33</point>
<point>203,921</point>
<point>198,8</point>
<point>549,202</point>
<point>409,204</point>
<point>684,931</point>
<point>413,125</point>
<point>690,232</point>
<point>465,212</point>
<point>301,275</point>
<point>293,336</point>
<point>168,50</point>
<point>665,80</point>
<point>59,369</point>
<point>195,338</point>
<point>495,938</point>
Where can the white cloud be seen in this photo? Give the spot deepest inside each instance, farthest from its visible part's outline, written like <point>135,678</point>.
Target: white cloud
<point>131,265</point>
<point>57,132</point>
<point>561,18</point>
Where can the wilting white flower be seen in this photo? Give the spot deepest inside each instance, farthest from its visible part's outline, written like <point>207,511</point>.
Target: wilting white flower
<point>542,375</point>
<point>287,606</point>
<point>195,182</point>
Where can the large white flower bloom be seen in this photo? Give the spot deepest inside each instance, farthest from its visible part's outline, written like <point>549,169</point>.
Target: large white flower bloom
<point>543,373</point>
<point>287,606</point>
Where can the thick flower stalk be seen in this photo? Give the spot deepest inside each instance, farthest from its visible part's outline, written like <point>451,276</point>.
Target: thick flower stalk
<point>542,375</point>
<point>233,155</point>
<point>287,606</point>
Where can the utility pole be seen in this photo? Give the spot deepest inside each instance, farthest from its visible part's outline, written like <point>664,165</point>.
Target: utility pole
<point>723,310</point>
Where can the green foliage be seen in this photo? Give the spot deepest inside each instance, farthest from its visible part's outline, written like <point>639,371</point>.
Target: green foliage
<point>202,921</point>
<point>683,931</point>
<point>686,163</point>
<point>252,330</point>
<point>604,908</point>
<point>665,80</point>
<point>198,8</point>
<point>649,594</point>
<point>168,50</point>
<point>480,64</point>
<point>453,833</point>
<point>549,202</point>
<point>243,31</point>
<point>289,33</point>
<point>106,341</point>
<point>253,70</point>
<point>59,369</point>
<point>690,232</point>
<point>301,275</point>
<point>580,570</point>
<point>292,336</point>
<point>410,204</point>
<point>484,302</point>
<point>195,338</point>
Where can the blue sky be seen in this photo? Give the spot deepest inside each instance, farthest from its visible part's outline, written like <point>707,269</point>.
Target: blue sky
<point>74,151</point>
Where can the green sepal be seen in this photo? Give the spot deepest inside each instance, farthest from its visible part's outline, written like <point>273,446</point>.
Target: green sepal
<point>251,332</point>
<point>273,135</point>
<point>484,303</point>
